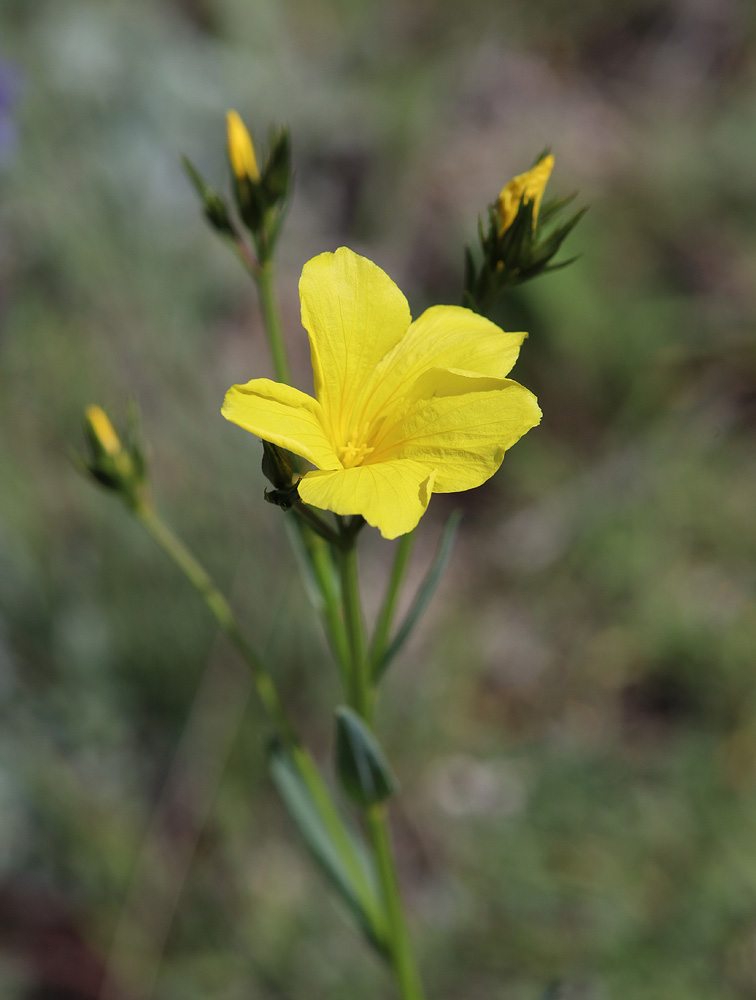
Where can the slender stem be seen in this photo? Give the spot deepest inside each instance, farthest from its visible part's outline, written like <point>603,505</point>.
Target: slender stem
<point>221,610</point>
<point>272,320</point>
<point>361,697</point>
<point>318,556</point>
<point>386,616</point>
<point>175,549</point>
<point>404,964</point>
<point>360,693</point>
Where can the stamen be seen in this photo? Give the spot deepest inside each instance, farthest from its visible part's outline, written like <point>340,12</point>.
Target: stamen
<point>352,454</point>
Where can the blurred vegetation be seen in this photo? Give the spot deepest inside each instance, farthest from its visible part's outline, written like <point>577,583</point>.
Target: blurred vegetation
<point>575,726</point>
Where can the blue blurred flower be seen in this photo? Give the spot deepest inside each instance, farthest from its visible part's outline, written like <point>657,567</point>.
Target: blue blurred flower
<point>10,85</point>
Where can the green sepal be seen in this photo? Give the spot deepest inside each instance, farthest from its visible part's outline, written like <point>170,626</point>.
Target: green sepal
<point>362,766</point>
<point>551,208</point>
<point>277,465</point>
<point>348,867</point>
<point>284,498</point>
<point>250,202</point>
<point>276,175</point>
<point>215,209</point>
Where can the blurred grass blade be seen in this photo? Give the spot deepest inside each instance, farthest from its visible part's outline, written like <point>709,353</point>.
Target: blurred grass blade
<point>423,596</point>
<point>346,864</point>
<point>554,992</point>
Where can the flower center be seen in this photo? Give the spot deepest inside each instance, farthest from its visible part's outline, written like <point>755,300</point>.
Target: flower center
<point>352,454</point>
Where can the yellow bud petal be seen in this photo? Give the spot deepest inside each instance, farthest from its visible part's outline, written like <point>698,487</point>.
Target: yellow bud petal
<point>241,152</point>
<point>529,186</point>
<point>102,429</point>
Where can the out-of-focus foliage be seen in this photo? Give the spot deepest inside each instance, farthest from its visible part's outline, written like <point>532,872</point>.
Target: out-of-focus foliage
<point>575,728</point>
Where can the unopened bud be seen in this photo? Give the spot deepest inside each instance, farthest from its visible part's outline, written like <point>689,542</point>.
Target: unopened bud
<point>519,240</point>
<point>114,465</point>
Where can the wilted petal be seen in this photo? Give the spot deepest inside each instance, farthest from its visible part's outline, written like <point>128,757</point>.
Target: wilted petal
<point>287,417</point>
<point>392,496</point>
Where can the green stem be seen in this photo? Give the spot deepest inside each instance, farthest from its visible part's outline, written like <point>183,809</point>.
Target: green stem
<point>360,693</point>
<point>361,698</point>
<point>219,607</point>
<point>316,551</point>
<point>175,549</point>
<point>386,617</point>
<point>401,953</point>
<point>272,321</point>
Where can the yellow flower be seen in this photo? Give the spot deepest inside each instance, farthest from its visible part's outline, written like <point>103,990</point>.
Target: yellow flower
<point>401,409</point>
<point>102,430</point>
<point>241,152</point>
<point>529,185</point>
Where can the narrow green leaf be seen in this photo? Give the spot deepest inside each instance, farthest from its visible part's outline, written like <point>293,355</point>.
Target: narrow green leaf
<point>424,594</point>
<point>346,865</point>
<point>363,768</point>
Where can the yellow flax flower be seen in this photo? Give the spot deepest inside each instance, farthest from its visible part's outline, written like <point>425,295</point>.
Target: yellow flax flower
<point>529,185</point>
<point>241,152</point>
<point>402,409</point>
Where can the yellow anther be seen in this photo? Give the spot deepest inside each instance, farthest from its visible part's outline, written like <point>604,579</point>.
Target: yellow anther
<point>352,454</point>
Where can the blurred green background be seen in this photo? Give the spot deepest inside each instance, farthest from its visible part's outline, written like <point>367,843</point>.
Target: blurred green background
<point>574,725</point>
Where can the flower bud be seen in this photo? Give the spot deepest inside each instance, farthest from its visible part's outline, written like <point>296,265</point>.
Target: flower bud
<point>114,465</point>
<point>519,241</point>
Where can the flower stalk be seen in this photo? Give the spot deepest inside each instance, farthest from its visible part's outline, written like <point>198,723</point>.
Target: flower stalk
<point>360,692</point>
<point>407,976</point>
<point>374,815</point>
<point>268,695</point>
<point>272,321</point>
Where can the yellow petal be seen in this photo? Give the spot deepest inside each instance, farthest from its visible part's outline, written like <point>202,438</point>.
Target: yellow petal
<point>241,152</point>
<point>392,496</point>
<point>461,427</point>
<point>354,314</point>
<point>102,429</point>
<point>283,415</point>
<point>531,185</point>
<point>443,337</point>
